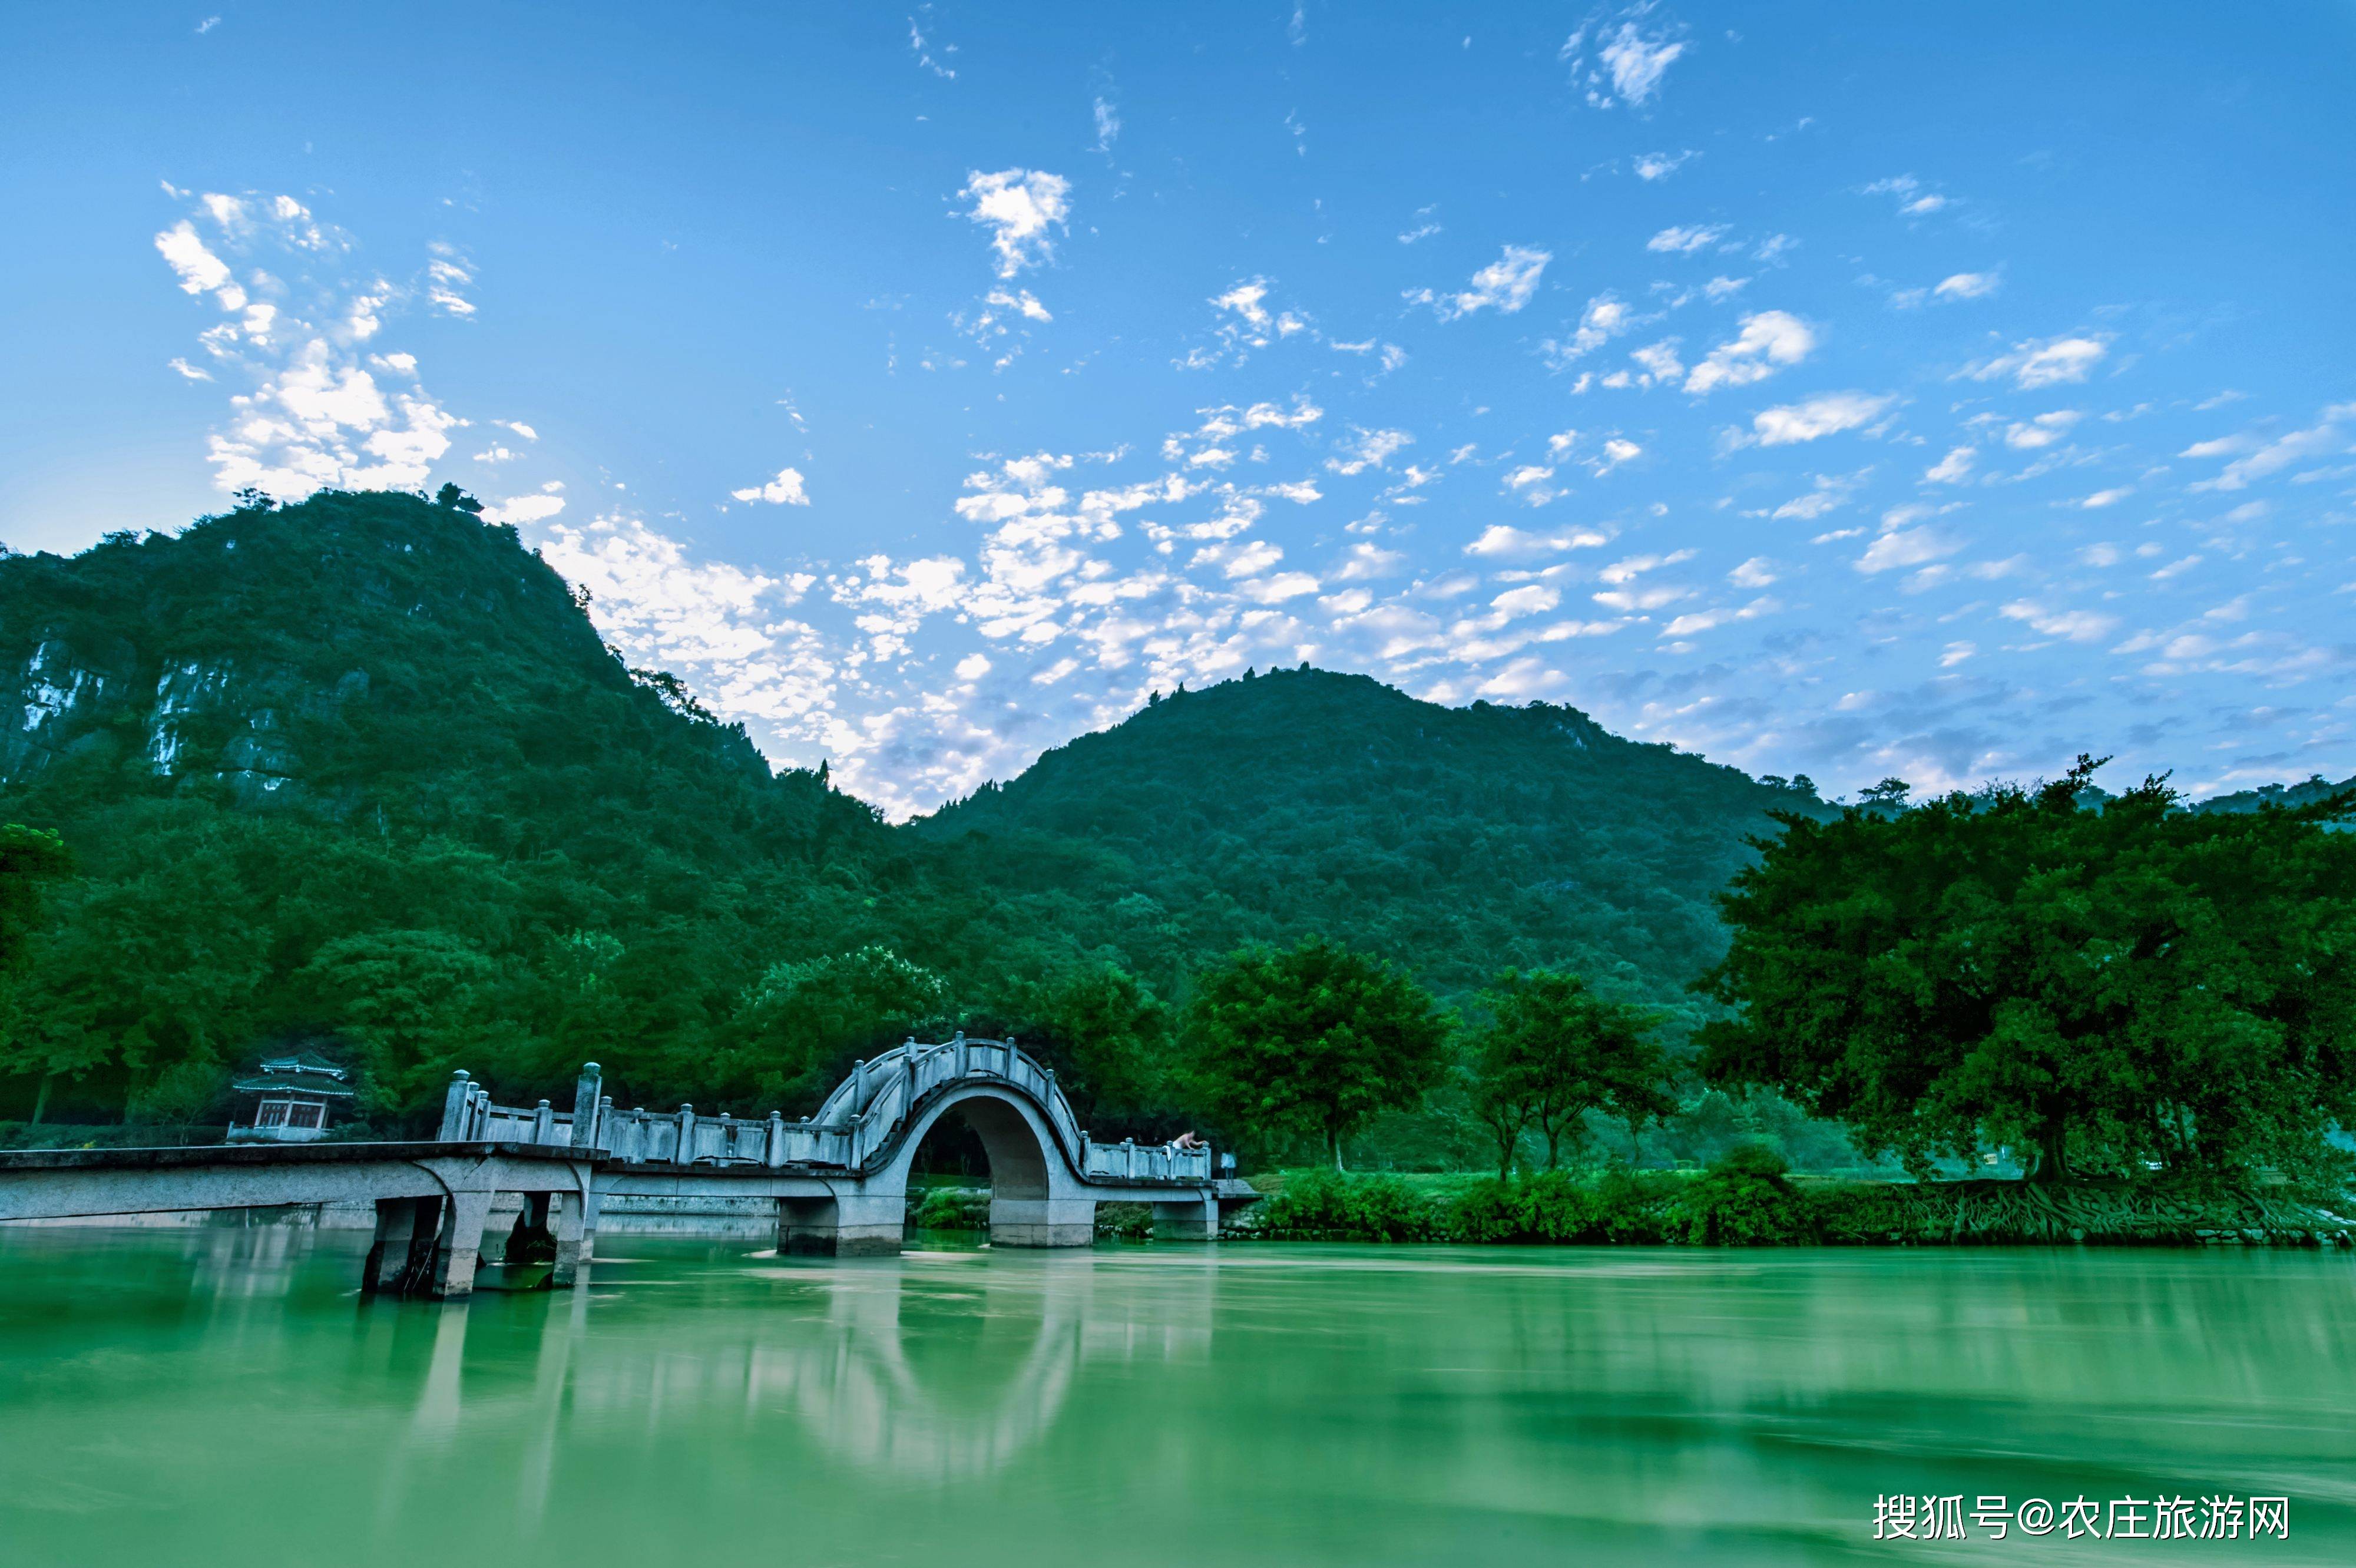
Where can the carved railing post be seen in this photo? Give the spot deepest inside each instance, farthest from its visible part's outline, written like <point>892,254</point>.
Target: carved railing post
<point>586,1099</point>
<point>454,1108</point>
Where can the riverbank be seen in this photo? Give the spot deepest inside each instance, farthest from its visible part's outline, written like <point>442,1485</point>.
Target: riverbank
<point>1748,1199</point>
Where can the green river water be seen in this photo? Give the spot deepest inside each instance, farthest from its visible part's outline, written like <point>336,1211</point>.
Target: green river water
<point>224,1396</point>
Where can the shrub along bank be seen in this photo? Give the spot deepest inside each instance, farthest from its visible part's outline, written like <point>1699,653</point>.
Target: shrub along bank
<point>1747,1197</point>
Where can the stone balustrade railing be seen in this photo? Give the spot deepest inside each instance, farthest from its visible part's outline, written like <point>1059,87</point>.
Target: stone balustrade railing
<point>863,1115</point>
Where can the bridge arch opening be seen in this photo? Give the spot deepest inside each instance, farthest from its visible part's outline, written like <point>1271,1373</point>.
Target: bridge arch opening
<point>980,1142</point>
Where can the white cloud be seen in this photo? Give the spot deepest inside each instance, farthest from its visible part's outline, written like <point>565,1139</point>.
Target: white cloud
<point>2332,435</point>
<point>2075,626</point>
<point>2027,435</point>
<point>523,510</point>
<point>1367,449</point>
<point>1967,286</point>
<point>1659,363</point>
<point>1629,61</point>
<point>1660,165</point>
<point>1019,206</point>
<point>1903,547</point>
<point>1500,540</point>
<point>1685,241</point>
<point>786,490</point>
<point>1507,284</point>
<point>1616,451</point>
<point>1815,418</point>
<point>1953,468</point>
<point>1756,572</point>
<point>1770,339</point>
<point>1107,126</point>
<point>446,274</point>
<point>1606,317</point>
<point>314,415</point>
<point>973,666</point>
<point>1832,492</point>
<point>2041,363</point>
<point>2107,498</point>
<point>1245,299</point>
<point>200,268</point>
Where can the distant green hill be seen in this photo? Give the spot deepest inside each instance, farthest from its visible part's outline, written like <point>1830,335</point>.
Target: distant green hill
<point>2316,788</point>
<point>1458,840</point>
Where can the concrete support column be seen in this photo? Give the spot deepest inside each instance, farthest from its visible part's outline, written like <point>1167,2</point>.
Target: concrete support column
<point>1042,1221</point>
<point>855,1224</point>
<point>387,1254</point>
<point>807,1227</point>
<point>591,1202</point>
<point>416,1276</point>
<point>1188,1220</point>
<point>459,1247</point>
<point>569,1223</point>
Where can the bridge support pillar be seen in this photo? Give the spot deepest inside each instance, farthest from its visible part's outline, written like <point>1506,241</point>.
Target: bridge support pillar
<point>1042,1221</point>
<point>1192,1219</point>
<point>459,1246</point>
<point>854,1224</point>
<point>575,1220</point>
<point>388,1254</point>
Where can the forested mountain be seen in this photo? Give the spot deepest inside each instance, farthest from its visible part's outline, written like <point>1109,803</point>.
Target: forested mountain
<point>360,773</point>
<point>1461,841</point>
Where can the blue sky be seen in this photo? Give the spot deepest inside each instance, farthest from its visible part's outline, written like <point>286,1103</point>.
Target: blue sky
<point>1839,390</point>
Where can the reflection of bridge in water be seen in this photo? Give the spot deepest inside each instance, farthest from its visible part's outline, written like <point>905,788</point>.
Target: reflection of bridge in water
<point>840,1179</point>
<point>941,1368</point>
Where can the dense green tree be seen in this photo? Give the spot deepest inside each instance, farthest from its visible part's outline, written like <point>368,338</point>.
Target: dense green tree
<point>410,998</point>
<point>31,860</point>
<point>1105,1034</point>
<point>2102,986</point>
<point>1313,1039</point>
<point>801,1023</point>
<point>1552,1051</point>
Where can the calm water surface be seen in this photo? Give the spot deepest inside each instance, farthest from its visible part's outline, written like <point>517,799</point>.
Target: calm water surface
<point>225,1397</point>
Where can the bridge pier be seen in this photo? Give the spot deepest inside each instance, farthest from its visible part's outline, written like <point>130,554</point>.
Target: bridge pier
<point>1190,1220</point>
<point>398,1224</point>
<point>458,1248</point>
<point>1042,1221</point>
<point>574,1218</point>
<point>854,1224</point>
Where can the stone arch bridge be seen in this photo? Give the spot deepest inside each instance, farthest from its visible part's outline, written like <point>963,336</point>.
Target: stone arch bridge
<point>840,1179</point>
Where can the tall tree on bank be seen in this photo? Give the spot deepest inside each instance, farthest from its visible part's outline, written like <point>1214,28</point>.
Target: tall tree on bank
<point>31,859</point>
<point>2101,987</point>
<point>1552,1052</point>
<point>1313,1039</point>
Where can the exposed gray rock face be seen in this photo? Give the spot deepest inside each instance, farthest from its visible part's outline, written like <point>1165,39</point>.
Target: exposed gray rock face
<point>206,718</point>
<point>61,691</point>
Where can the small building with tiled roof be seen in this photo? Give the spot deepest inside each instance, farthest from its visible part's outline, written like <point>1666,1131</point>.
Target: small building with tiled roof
<point>293,1097</point>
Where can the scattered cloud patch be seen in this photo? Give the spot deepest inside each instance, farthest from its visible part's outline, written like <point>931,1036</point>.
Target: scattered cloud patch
<point>2045,362</point>
<point>1770,339</point>
<point>786,490</point>
<point>1815,418</point>
<point>1507,285</point>
<point>1684,241</point>
<point>1021,208</point>
<point>1623,64</point>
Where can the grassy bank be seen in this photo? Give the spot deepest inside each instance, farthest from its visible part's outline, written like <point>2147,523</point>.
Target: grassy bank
<point>1748,1198</point>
